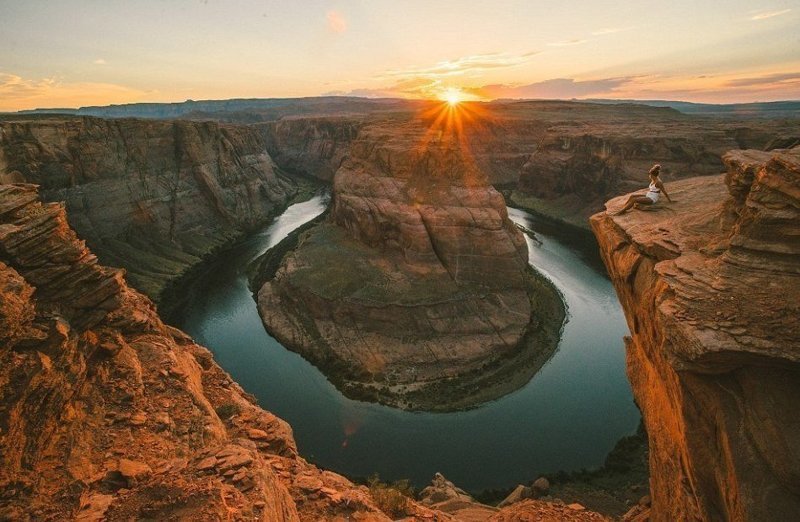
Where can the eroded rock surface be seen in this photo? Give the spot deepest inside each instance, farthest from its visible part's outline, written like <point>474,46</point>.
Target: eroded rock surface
<point>557,158</point>
<point>313,146</point>
<point>152,197</point>
<point>417,280</point>
<point>108,414</point>
<point>711,290</point>
<point>444,496</point>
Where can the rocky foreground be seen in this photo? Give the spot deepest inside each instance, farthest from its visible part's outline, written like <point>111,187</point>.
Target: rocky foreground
<point>108,414</point>
<point>711,289</point>
<point>417,291</point>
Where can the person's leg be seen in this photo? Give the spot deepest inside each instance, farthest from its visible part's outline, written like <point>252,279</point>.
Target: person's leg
<point>633,201</point>
<point>642,200</point>
<point>628,204</point>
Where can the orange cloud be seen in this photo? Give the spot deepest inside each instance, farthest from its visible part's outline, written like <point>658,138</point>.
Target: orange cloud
<point>464,65</point>
<point>336,22</point>
<point>17,93</point>
<point>728,88</point>
<point>769,14</point>
<point>562,88</point>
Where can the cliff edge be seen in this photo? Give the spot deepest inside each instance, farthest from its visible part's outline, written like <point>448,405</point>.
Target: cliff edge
<point>108,414</point>
<point>711,290</point>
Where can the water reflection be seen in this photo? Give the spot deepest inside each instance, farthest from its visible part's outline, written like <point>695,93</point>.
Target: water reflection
<point>567,417</point>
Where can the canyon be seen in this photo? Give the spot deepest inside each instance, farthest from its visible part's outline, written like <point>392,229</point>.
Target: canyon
<point>157,196</point>
<point>118,415</point>
<point>109,414</point>
<point>559,159</point>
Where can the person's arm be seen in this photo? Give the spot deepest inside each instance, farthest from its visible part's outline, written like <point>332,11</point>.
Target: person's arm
<point>664,190</point>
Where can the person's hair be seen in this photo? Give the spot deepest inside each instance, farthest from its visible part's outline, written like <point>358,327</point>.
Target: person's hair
<point>655,170</point>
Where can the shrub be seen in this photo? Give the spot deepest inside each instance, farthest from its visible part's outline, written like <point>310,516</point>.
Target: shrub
<point>228,410</point>
<point>392,499</point>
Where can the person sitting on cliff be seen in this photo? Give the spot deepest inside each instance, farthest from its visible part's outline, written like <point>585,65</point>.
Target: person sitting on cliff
<point>653,192</point>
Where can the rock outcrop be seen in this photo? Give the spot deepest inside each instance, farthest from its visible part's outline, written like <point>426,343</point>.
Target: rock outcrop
<point>711,290</point>
<point>444,496</point>
<point>312,146</point>
<point>152,197</point>
<point>416,291</point>
<point>108,414</point>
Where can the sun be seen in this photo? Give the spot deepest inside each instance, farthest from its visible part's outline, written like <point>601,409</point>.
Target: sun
<point>452,96</point>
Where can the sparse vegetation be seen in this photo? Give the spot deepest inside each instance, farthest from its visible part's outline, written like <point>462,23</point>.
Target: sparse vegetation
<point>227,410</point>
<point>393,499</point>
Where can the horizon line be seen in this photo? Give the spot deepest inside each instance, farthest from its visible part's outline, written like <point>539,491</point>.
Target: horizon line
<point>397,98</point>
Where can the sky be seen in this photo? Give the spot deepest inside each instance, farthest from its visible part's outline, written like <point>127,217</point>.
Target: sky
<point>97,52</point>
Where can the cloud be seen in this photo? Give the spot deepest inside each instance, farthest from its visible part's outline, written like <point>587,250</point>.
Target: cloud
<point>769,14</point>
<point>431,81</point>
<point>567,43</point>
<point>464,65</point>
<point>728,88</point>
<point>336,22</point>
<point>610,30</point>
<point>366,93</point>
<point>561,88</point>
<point>791,77</point>
<point>17,93</point>
<point>100,61</point>
<point>411,88</point>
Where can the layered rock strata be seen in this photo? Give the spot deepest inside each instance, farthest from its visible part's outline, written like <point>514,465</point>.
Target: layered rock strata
<point>152,197</point>
<point>560,159</point>
<point>418,284</point>
<point>711,290</point>
<point>312,146</point>
<point>108,414</point>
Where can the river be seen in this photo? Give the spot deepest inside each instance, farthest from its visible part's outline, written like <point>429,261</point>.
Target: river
<point>568,417</point>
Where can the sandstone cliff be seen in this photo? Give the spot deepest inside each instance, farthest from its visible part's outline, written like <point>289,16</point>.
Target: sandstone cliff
<point>418,285</point>
<point>564,159</point>
<point>560,159</point>
<point>152,197</point>
<point>312,146</point>
<point>106,413</point>
<point>711,289</point>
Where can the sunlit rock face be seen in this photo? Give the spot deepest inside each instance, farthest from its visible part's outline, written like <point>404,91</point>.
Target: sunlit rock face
<point>710,286</point>
<point>153,197</point>
<point>106,413</point>
<point>561,159</point>
<point>417,277</point>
